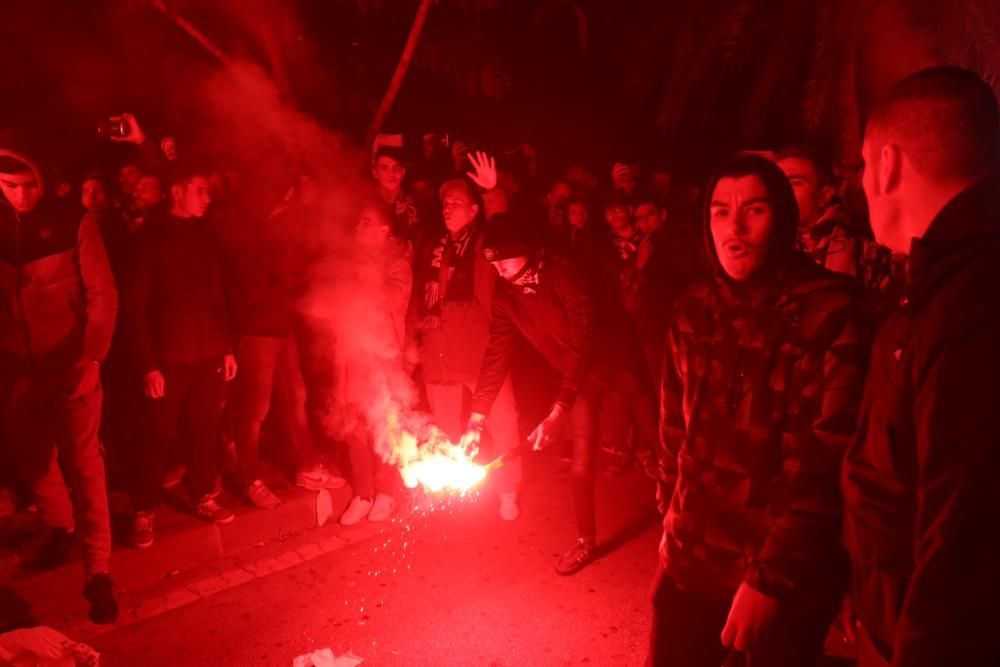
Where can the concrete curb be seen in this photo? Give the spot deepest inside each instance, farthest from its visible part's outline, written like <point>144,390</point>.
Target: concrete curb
<point>181,547</point>
<point>137,607</point>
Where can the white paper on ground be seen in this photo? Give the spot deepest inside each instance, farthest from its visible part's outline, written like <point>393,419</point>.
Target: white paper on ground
<point>324,657</point>
<point>324,507</point>
<point>44,647</point>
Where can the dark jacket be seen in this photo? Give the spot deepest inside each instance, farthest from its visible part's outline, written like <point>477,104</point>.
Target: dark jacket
<point>759,398</point>
<point>58,301</point>
<point>452,328</point>
<point>922,515</point>
<point>175,302</point>
<point>262,269</point>
<point>575,333</point>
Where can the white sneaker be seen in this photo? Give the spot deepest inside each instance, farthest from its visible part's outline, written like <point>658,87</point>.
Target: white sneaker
<point>356,511</point>
<point>382,508</point>
<point>509,511</point>
<point>319,478</point>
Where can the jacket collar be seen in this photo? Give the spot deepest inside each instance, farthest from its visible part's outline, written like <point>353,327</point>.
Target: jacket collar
<point>971,217</point>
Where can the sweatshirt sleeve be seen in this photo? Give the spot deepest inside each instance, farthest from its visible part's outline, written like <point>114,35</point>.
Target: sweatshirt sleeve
<point>497,358</point>
<point>576,304</point>
<point>672,423</point>
<point>137,297</point>
<point>952,602</point>
<point>823,397</point>
<point>99,287</point>
<point>219,297</point>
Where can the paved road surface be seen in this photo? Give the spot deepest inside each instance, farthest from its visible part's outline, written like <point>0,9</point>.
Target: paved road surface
<point>467,589</point>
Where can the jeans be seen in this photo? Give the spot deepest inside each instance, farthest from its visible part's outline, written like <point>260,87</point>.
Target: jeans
<point>196,391</point>
<point>45,428</point>
<point>370,475</point>
<point>583,425</point>
<point>447,404</point>
<point>687,628</point>
<point>269,367</point>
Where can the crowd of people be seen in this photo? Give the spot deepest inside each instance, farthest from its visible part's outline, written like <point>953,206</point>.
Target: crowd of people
<point>156,334</point>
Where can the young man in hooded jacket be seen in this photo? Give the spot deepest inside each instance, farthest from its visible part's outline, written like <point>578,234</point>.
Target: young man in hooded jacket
<point>547,302</point>
<point>759,394</point>
<point>58,305</point>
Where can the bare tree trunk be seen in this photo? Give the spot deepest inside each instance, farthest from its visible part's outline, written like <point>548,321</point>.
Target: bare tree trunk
<point>196,34</point>
<point>400,73</point>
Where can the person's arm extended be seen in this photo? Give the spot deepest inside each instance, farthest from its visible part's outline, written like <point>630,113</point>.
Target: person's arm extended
<point>99,288</point>
<point>496,361</point>
<point>952,603</point>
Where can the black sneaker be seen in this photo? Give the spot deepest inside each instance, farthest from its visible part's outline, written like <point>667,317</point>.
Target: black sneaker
<point>100,592</point>
<point>52,552</point>
<point>577,558</point>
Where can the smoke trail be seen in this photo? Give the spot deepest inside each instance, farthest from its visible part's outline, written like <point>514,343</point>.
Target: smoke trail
<point>302,174</point>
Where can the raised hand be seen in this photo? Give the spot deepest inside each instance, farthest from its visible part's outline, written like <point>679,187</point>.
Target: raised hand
<point>135,134</point>
<point>485,174</point>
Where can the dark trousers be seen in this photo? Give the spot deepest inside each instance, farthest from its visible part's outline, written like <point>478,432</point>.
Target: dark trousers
<point>583,425</point>
<point>369,473</point>
<point>687,628</point>
<point>49,435</point>
<point>270,367</point>
<point>196,391</point>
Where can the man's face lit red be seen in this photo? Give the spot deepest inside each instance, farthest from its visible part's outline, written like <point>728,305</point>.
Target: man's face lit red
<point>128,178</point>
<point>810,194</point>
<point>191,200</point>
<point>147,193</point>
<point>511,268</point>
<point>22,190</point>
<point>578,215</point>
<point>648,217</point>
<point>93,197</point>
<point>618,217</point>
<point>741,224</point>
<point>389,173</point>
<point>457,210</point>
<point>372,230</point>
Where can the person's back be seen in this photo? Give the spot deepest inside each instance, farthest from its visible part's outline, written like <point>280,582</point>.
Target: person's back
<point>922,521</point>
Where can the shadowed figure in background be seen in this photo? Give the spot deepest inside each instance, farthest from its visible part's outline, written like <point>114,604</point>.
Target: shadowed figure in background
<point>178,322</point>
<point>758,401</point>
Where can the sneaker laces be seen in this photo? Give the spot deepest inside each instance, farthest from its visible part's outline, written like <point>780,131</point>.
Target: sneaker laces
<point>209,504</point>
<point>144,521</point>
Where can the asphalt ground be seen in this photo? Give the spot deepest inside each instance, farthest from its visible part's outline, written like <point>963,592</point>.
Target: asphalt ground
<point>451,586</point>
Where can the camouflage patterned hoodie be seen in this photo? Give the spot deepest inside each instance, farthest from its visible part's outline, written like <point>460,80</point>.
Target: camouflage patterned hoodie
<point>759,399</point>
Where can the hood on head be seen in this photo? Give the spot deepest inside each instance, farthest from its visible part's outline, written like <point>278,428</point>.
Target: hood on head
<point>20,146</point>
<point>784,208</point>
